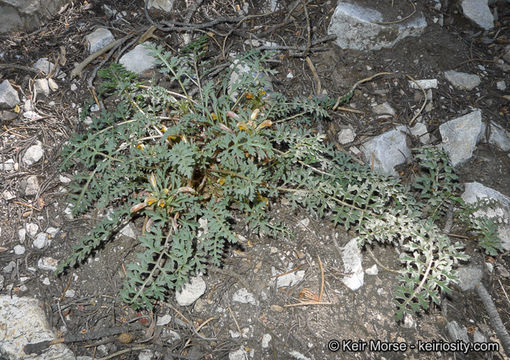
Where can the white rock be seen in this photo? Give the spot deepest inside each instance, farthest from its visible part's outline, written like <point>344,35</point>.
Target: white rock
<point>26,323</point>
<point>7,195</point>
<point>70,293</point>
<point>98,39</point>
<point>266,338</point>
<point>31,186</point>
<point>372,270</point>
<point>191,291</point>
<point>388,150</point>
<point>138,60</point>
<point>42,86</point>
<point>128,231</point>
<point>352,259</point>
<point>462,81</point>
<point>420,131</point>
<point>68,211</point>
<point>346,136</point>
<point>32,115</point>
<point>426,84</point>
<point>501,85</point>
<point>499,136</point>
<point>19,250</point>
<point>46,281</point>
<point>51,231</point>
<point>41,241</point>
<point>145,355</point>
<point>384,109</point>
<point>47,263</point>
<point>31,229</point>
<point>290,279</point>
<point>9,267</point>
<point>74,87</point>
<point>478,11</point>
<point>165,5</point>
<point>44,66</point>
<point>170,336</point>
<point>8,95</point>
<point>356,28</point>
<point>409,322</point>
<point>460,136</point>
<point>54,87</point>
<point>63,179</point>
<point>33,154</point>
<point>22,233</point>
<point>8,165</point>
<point>243,296</point>
<point>163,320</point>
<point>239,354</point>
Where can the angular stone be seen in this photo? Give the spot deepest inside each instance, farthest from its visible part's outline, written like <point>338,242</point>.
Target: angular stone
<point>425,84</point>
<point>191,291</point>
<point>165,5</point>
<point>44,65</point>
<point>8,95</point>
<point>384,110</point>
<point>352,260</point>
<point>138,60</point>
<point>98,39</point>
<point>33,154</point>
<point>8,165</point>
<point>243,296</point>
<point>25,322</point>
<point>462,81</point>
<point>387,150</point>
<point>346,136</point>
<point>478,11</point>
<point>420,130</point>
<point>42,86</point>
<point>32,229</point>
<point>498,136</point>
<point>41,241</point>
<point>26,15</point>
<point>31,186</point>
<point>357,28</point>
<point>19,250</point>
<point>460,136</point>
<point>290,279</point>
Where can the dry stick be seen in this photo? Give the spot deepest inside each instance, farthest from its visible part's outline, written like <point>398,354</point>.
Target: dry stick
<point>351,91</point>
<point>21,67</point>
<point>37,348</point>
<point>424,100</point>
<point>494,317</point>
<point>314,73</point>
<point>379,263</point>
<point>79,68</point>
<point>308,33</point>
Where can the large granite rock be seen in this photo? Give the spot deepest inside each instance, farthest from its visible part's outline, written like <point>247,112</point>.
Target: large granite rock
<point>27,15</point>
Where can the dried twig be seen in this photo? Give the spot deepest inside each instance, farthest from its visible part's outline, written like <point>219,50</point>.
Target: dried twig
<point>79,68</point>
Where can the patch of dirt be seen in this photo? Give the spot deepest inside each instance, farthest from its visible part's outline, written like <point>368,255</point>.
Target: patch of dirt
<point>215,325</point>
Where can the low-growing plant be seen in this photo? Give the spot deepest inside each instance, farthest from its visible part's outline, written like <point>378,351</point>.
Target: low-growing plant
<point>190,159</point>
